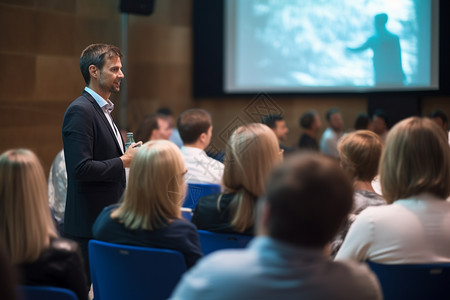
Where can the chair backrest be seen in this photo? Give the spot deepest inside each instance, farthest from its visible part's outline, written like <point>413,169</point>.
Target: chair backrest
<point>46,293</point>
<point>413,281</point>
<point>212,241</point>
<point>131,272</point>
<point>197,190</point>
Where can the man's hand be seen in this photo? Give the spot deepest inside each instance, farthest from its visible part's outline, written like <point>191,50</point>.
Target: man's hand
<point>127,157</point>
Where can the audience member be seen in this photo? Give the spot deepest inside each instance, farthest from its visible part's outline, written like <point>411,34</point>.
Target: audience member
<point>415,176</point>
<point>153,127</point>
<point>150,214</point>
<point>311,124</point>
<point>359,154</point>
<point>93,146</point>
<point>175,135</point>
<point>278,126</point>
<point>440,118</point>
<point>307,200</point>
<point>363,122</point>
<point>27,229</point>
<point>328,142</point>
<point>57,187</point>
<point>195,127</point>
<point>251,154</point>
<point>380,123</point>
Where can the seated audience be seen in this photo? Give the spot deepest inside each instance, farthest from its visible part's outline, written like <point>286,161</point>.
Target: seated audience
<point>363,122</point>
<point>27,230</point>
<point>150,213</point>
<point>278,125</point>
<point>328,142</point>
<point>440,118</point>
<point>57,187</point>
<point>250,155</point>
<point>310,123</point>
<point>195,128</point>
<point>359,153</point>
<point>153,127</point>
<point>414,176</point>
<point>380,124</point>
<point>175,136</point>
<point>307,200</point>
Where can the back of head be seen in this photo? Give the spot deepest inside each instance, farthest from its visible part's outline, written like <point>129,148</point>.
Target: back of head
<point>360,153</point>
<point>416,159</point>
<point>96,54</point>
<point>308,197</point>
<point>192,123</point>
<point>26,223</point>
<point>270,120</point>
<point>307,119</point>
<point>145,129</point>
<point>251,154</point>
<point>362,122</point>
<point>156,187</point>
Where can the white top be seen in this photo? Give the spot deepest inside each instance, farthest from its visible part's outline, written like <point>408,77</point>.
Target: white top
<point>269,269</point>
<point>328,142</point>
<point>201,168</point>
<point>414,230</point>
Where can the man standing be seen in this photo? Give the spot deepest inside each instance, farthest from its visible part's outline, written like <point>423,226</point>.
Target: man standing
<point>195,128</point>
<point>328,142</point>
<point>307,200</point>
<point>93,146</point>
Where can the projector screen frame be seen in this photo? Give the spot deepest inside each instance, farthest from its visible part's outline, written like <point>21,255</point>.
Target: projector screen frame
<point>208,58</point>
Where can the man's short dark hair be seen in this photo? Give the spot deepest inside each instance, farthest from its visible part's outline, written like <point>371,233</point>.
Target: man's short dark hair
<point>362,121</point>
<point>331,112</point>
<point>271,120</point>
<point>439,114</point>
<point>308,119</point>
<point>95,54</point>
<point>165,111</point>
<point>381,114</point>
<point>192,123</point>
<point>309,197</point>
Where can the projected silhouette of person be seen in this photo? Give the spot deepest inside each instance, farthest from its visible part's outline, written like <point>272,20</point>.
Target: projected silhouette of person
<point>387,58</point>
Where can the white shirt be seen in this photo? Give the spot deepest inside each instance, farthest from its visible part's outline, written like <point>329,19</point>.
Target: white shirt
<point>201,168</point>
<point>414,230</point>
<point>328,142</point>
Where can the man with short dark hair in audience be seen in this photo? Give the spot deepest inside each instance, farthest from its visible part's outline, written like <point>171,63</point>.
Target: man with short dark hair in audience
<point>307,200</point>
<point>380,123</point>
<point>311,124</point>
<point>278,126</point>
<point>328,142</point>
<point>441,119</point>
<point>195,128</point>
<point>153,127</point>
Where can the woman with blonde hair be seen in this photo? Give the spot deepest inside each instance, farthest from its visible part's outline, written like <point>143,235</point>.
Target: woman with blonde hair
<point>251,154</point>
<point>27,230</point>
<point>150,213</point>
<point>415,179</point>
<point>359,154</point>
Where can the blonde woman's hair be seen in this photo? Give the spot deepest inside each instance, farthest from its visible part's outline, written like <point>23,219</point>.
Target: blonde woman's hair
<point>416,159</point>
<point>26,222</point>
<point>251,154</point>
<point>155,189</point>
<point>360,153</point>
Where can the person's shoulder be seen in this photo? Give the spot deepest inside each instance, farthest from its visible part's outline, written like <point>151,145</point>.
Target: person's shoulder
<point>63,245</point>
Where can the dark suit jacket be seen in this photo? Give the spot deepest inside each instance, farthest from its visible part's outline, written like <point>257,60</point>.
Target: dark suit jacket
<point>95,173</point>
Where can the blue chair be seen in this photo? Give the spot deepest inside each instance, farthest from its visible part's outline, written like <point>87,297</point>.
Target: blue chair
<point>195,191</point>
<point>413,281</point>
<point>131,272</point>
<point>212,241</point>
<point>30,292</point>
